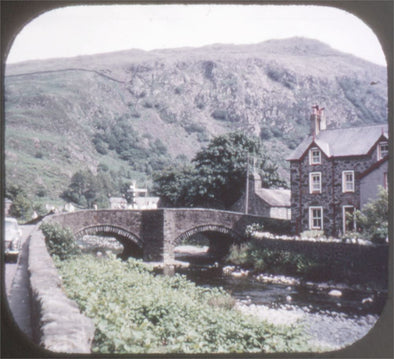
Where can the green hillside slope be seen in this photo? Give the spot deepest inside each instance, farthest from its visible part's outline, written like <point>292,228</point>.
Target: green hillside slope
<point>135,112</point>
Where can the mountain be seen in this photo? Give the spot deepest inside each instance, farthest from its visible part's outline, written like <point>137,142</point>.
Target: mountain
<point>134,112</point>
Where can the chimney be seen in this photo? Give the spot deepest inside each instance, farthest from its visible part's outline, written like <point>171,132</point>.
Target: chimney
<point>318,120</point>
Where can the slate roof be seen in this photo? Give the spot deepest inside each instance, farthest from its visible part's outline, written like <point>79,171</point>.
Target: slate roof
<point>373,167</point>
<point>275,197</point>
<point>354,141</point>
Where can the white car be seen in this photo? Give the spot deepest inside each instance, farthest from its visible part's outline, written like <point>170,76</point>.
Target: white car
<point>12,237</point>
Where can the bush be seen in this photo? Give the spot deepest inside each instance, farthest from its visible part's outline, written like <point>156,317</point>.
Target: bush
<point>255,256</point>
<point>140,312</point>
<point>59,240</point>
<point>39,155</point>
<point>252,228</point>
<point>21,207</point>
<point>373,218</point>
<point>41,192</point>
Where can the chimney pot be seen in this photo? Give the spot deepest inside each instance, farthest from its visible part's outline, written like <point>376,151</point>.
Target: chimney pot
<point>318,121</point>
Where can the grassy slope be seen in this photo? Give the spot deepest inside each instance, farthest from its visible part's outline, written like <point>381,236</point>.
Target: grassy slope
<point>175,96</point>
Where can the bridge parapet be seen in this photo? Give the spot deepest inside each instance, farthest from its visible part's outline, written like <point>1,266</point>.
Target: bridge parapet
<point>157,232</point>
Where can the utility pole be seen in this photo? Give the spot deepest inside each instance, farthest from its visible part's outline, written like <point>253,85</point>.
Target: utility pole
<point>247,186</point>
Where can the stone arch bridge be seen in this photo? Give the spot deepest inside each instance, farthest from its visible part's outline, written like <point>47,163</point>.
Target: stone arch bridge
<point>153,234</point>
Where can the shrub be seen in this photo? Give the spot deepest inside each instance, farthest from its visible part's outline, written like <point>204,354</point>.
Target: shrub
<point>39,155</point>
<point>251,228</point>
<point>41,191</point>
<point>255,256</point>
<point>21,207</point>
<point>373,218</point>
<point>265,133</point>
<point>59,240</point>
<point>140,312</point>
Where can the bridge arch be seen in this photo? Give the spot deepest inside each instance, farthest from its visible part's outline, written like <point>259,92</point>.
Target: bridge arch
<point>220,238</point>
<point>132,244</point>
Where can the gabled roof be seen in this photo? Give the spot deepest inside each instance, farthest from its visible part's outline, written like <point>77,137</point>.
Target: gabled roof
<point>275,197</point>
<point>373,167</point>
<point>342,142</point>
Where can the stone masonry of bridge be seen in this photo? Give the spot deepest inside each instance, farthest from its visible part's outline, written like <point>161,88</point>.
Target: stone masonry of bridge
<point>153,234</point>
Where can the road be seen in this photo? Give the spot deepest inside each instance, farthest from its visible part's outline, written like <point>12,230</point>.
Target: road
<point>17,285</point>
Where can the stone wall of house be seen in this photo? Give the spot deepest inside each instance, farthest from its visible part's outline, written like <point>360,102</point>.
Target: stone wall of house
<point>331,199</point>
<point>280,212</point>
<point>369,184</point>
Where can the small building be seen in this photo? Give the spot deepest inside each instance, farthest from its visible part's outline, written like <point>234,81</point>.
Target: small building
<point>265,202</point>
<point>334,172</point>
<point>118,203</point>
<point>136,198</point>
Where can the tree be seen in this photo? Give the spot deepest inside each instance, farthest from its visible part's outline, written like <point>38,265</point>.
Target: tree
<point>83,189</point>
<point>173,186</point>
<point>13,190</point>
<point>21,207</point>
<point>373,217</point>
<point>219,174</point>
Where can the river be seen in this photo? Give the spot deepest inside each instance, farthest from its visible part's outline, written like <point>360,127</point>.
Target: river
<point>334,315</point>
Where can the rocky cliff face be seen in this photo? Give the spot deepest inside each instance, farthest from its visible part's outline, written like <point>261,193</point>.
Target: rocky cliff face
<point>184,97</point>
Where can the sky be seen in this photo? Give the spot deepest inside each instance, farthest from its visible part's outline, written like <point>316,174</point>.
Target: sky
<point>81,30</point>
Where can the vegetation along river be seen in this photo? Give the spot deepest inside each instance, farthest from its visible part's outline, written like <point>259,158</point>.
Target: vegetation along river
<point>334,315</point>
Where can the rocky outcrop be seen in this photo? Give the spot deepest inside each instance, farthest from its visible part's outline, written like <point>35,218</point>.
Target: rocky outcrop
<point>58,324</point>
<point>181,98</point>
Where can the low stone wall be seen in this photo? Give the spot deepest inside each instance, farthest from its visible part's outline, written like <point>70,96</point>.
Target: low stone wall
<point>57,323</point>
<point>351,262</point>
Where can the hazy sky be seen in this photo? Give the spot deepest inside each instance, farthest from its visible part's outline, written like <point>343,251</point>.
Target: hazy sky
<point>80,30</point>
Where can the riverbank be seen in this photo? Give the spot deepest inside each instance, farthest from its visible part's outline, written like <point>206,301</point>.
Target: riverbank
<point>328,330</point>
<point>333,314</point>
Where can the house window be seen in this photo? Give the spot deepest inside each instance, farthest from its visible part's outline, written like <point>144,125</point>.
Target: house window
<point>316,218</point>
<point>348,181</point>
<point>315,182</point>
<point>383,150</point>
<point>314,156</point>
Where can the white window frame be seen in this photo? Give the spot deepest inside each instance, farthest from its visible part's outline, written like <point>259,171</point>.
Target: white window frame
<point>344,181</point>
<point>344,218</point>
<point>311,218</point>
<point>383,143</point>
<point>311,189</point>
<point>311,157</point>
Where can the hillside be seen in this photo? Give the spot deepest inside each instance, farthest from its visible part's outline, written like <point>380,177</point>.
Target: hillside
<point>134,112</point>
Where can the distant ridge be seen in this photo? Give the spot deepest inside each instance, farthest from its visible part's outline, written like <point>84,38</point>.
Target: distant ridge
<point>175,100</point>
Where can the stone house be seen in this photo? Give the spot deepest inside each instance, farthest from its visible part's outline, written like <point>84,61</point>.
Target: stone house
<point>333,172</point>
<point>136,198</point>
<point>265,202</point>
